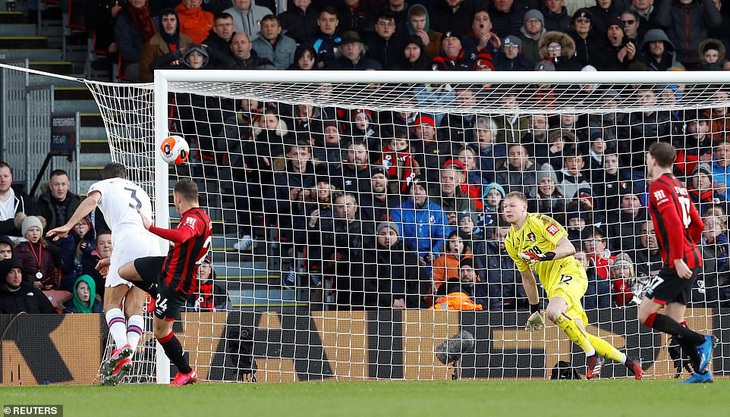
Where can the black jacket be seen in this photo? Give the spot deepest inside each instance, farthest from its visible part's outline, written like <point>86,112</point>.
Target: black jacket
<point>26,299</point>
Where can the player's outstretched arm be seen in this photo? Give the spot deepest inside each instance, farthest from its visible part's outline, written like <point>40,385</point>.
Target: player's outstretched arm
<point>86,207</point>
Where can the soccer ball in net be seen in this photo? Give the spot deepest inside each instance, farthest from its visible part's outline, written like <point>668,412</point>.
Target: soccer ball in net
<point>174,149</point>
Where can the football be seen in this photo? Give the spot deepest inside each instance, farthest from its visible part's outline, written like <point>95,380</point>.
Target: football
<point>174,150</point>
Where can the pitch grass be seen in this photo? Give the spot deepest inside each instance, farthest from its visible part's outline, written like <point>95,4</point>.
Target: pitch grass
<point>614,398</point>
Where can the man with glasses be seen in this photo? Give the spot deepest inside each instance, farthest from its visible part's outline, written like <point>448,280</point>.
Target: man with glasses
<point>219,38</point>
<point>632,26</point>
<point>588,45</point>
<point>383,45</point>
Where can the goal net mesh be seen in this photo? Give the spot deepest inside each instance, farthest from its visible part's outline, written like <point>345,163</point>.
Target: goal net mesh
<point>347,217</point>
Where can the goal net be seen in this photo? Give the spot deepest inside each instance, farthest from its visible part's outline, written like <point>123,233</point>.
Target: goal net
<point>358,222</point>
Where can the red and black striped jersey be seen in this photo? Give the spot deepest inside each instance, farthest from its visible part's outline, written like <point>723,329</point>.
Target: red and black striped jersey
<point>677,223</point>
<point>191,240</point>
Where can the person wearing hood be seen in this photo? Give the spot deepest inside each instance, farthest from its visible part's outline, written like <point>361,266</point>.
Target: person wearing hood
<point>84,297</point>
<point>18,296</point>
<point>687,23</point>
<point>168,39</point>
<point>414,55</point>
<point>657,51</point>
<point>712,55</point>
<point>532,29</point>
<point>510,57</point>
<point>194,57</point>
<point>559,49</point>
<point>419,24</point>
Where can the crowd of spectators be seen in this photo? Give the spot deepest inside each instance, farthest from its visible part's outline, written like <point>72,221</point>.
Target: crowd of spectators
<point>442,35</point>
<point>340,186</point>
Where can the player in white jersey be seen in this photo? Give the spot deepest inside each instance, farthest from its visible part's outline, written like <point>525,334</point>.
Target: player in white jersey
<point>119,200</point>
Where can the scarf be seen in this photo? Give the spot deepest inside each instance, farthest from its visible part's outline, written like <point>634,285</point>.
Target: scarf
<point>142,20</point>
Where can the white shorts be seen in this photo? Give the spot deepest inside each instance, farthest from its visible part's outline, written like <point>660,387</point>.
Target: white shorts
<point>128,246</point>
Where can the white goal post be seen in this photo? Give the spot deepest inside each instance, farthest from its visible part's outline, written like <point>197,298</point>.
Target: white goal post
<point>302,331</point>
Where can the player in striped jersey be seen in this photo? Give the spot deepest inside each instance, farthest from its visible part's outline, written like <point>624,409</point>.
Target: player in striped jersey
<point>538,243</point>
<point>173,278</point>
<point>678,228</point>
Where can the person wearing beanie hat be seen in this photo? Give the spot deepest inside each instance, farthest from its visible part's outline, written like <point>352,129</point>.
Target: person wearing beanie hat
<point>453,57</point>
<point>533,27</point>
<point>548,196</point>
<point>620,52</point>
<point>19,296</point>
<point>414,56</point>
<point>538,243</point>
<point>702,189</point>
<point>588,40</point>
<point>509,57</point>
<point>395,278</point>
<point>622,279</point>
<point>38,265</point>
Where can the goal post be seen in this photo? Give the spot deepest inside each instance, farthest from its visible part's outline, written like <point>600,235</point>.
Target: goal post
<point>245,128</point>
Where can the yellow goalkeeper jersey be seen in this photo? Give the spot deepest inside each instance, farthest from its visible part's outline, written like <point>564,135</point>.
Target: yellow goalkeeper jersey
<point>541,234</point>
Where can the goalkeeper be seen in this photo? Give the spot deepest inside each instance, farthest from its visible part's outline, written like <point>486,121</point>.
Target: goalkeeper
<point>538,243</point>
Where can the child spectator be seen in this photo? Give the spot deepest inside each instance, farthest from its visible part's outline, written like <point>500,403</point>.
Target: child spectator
<point>473,237</point>
<point>493,195</point>
<point>712,55</point>
<point>398,161</point>
<point>548,197</point>
<point>103,250</point>
<point>446,266</point>
<point>75,251</point>
<point>84,297</point>
<point>596,246</point>
<point>703,190</point>
<point>623,276</point>
<point>467,156</point>
<point>34,256</point>
<point>6,247</point>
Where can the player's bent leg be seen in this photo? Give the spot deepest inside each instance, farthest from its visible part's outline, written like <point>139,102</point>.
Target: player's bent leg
<point>555,311</point>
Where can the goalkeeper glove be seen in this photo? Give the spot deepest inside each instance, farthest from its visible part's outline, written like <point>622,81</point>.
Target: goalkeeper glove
<point>535,321</point>
<point>532,257</point>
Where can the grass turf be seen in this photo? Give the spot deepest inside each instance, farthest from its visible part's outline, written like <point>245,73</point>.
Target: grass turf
<point>613,398</point>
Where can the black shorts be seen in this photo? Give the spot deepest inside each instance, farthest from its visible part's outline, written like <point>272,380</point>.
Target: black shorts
<point>667,287</point>
<point>168,302</point>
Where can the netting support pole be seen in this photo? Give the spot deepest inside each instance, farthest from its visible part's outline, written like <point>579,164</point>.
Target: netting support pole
<point>161,199</point>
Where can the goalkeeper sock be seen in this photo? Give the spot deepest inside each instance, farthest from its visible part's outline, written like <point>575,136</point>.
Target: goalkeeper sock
<point>606,350</point>
<point>135,326</point>
<point>117,326</point>
<point>575,333</point>
<point>174,351</point>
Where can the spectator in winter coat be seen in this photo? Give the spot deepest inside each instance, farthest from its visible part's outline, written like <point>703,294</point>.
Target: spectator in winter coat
<point>168,39</point>
<point>18,296</point>
<point>273,45</point>
<point>712,55</point>
<point>657,51</point>
<point>511,57</point>
<point>687,23</point>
